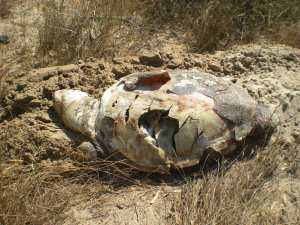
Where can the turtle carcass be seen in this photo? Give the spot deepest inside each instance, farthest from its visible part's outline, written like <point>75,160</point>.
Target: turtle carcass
<point>167,119</point>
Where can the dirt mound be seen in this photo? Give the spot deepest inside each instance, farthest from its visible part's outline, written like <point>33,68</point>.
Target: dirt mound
<point>32,134</point>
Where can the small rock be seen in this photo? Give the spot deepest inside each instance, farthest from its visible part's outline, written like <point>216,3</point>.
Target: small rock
<point>135,60</point>
<point>88,148</point>
<point>120,206</point>
<point>296,134</point>
<point>43,74</point>
<point>262,59</point>
<point>101,66</point>
<point>252,67</point>
<point>174,63</point>
<point>263,92</point>
<point>289,66</point>
<point>44,118</point>
<point>275,59</point>
<point>247,61</point>
<point>238,66</point>
<point>287,138</point>
<point>188,65</point>
<point>22,84</point>
<point>253,92</point>
<point>228,68</point>
<point>35,102</point>
<point>169,56</point>
<point>121,70</point>
<point>198,63</point>
<point>215,67</point>
<point>291,57</point>
<point>28,157</point>
<point>117,60</point>
<point>24,97</point>
<point>154,57</point>
<point>72,68</point>
<point>90,65</point>
<point>250,53</point>
<point>163,56</point>
<point>237,58</point>
<point>4,39</point>
<point>266,68</point>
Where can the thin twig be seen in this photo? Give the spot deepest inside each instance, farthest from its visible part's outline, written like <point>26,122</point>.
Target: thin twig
<point>12,215</point>
<point>61,28</point>
<point>88,6</point>
<point>73,10</point>
<point>155,197</point>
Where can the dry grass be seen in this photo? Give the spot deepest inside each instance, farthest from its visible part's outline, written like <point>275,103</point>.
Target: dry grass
<point>5,6</point>
<point>213,25</point>
<point>82,29</point>
<point>288,35</point>
<point>239,191</point>
<point>246,192</point>
<point>76,30</point>
<point>42,194</point>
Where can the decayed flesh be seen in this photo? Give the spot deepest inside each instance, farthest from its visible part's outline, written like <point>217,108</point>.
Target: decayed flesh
<point>78,112</point>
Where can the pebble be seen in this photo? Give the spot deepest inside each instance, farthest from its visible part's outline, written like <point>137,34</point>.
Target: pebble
<point>215,67</point>
<point>151,57</point>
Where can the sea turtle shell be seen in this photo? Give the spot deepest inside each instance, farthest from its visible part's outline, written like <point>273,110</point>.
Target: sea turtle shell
<point>168,119</point>
<point>230,101</point>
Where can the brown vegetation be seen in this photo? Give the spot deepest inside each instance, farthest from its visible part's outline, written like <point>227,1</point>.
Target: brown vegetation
<point>4,8</point>
<point>110,28</point>
<point>247,193</point>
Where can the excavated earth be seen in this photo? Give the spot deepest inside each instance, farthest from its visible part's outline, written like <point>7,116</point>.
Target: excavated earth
<point>31,133</point>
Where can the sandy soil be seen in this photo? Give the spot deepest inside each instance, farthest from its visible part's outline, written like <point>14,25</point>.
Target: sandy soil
<point>31,133</point>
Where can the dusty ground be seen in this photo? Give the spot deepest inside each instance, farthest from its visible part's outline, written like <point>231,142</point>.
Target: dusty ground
<point>31,133</point>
